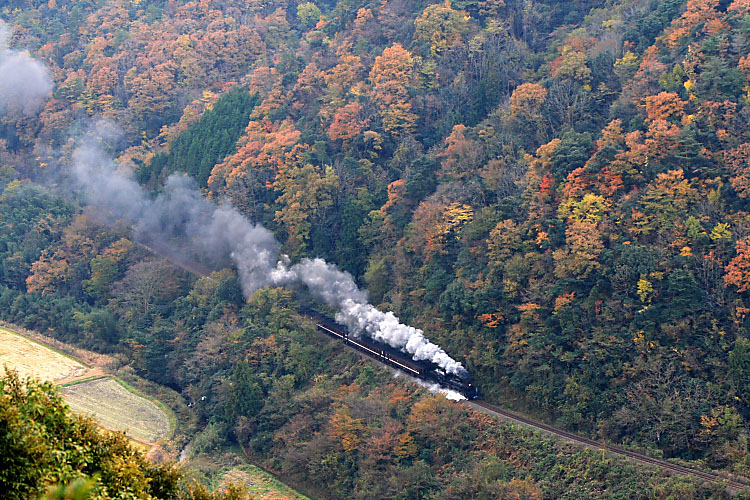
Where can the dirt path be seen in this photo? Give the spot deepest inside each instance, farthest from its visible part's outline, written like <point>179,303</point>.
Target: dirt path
<point>90,374</point>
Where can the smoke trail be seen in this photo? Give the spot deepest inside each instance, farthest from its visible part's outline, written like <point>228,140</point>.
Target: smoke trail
<point>181,215</point>
<point>338,289</point>
<point>437,388</point>
<point>24,82</point>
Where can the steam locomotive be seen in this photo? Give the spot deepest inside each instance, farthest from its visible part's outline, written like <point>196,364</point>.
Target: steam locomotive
<point>393,357</point>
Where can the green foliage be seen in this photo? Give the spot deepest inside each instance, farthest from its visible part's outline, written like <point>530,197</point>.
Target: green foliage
<point>244,395</point>
<point>209,440</point>
<point>107,272</point>
<point>230,290</point>
<point>720,81</point>
<point>657,16</point>
<point>32,218</point>
<point>602,150</point>
<point>377,278</point>
<point>43,443</point>
<point>739,373</point>
<point>573,151</point>
<point>420,179</point>
<point>80,489</point>
<point>206,142</point>
<point>308,14</point>
<point>349,249</point>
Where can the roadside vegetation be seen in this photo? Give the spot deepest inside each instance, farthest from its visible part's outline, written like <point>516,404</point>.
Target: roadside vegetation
<point>46,449</point>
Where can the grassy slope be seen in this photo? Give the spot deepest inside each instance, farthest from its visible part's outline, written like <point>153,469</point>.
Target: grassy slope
<point>115,407</point>
<point>31,359</point>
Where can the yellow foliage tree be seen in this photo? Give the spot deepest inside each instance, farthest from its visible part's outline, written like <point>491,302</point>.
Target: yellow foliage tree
<point>441,28</point>
<point>391,75</point>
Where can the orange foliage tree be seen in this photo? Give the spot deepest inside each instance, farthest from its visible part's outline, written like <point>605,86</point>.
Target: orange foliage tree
<point>580,256</point>
<point>391,76</point>
<point>738,161</point>
<point>460,156</point>
<point>738,270</point>
<point>348,123</point>
<point>527,98</point>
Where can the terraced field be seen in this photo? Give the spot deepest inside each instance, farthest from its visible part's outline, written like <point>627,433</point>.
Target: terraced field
<point>89,392</point>
<point>29,358</point>
<point>116,408</point>
<point>261,484</point>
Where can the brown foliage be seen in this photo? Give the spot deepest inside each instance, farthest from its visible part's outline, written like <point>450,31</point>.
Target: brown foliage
<point>527,98</point>
<point>579,258</point>
<point>460,156</point>
<point>738,270</point>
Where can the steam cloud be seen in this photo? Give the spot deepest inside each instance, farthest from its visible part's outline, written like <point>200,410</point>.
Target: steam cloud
<point>435,388</point>
<point>24,82</point>
<point>182,214</point>
<point>338,289</point>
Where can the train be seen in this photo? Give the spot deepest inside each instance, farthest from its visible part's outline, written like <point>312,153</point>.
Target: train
<point>387,355</point>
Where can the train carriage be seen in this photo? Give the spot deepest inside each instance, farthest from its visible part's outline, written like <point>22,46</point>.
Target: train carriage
<point>393,357</point>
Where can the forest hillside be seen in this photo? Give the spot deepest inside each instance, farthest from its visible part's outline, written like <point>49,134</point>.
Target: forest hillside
<point>557,193</point>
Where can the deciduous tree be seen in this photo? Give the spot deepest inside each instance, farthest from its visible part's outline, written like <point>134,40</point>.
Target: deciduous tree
<point>391,76</point>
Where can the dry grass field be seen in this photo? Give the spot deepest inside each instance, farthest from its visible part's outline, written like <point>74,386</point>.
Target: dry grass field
<point>29,358</point>
<point>116,408</point>
<point>260,483</point>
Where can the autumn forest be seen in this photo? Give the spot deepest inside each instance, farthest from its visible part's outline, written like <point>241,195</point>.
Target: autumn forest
<point>557,193</point>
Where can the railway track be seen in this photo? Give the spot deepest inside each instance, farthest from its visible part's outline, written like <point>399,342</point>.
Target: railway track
<point>732,485</point>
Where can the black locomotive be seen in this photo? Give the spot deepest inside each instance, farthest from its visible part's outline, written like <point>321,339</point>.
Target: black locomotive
<point>393,357</point>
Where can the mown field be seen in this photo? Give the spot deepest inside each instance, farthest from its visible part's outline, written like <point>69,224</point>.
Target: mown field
<point>107,401</point>
<point>31,359</point>
<point>116,408</point>
<point>260,483</point>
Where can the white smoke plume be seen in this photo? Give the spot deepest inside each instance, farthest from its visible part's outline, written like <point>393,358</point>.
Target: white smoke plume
<point>181,215</point>
<point>449,394</point>
<point>24,82</point>
<point>433,387</point>
<point>338,289</point>
<point>436,388</point>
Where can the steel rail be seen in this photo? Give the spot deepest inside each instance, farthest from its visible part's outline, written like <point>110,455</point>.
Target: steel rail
<point>375,355</point>
<point>732,485</point>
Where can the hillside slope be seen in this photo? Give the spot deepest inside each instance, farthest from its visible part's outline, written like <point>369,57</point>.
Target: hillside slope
<point>556,192</point>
